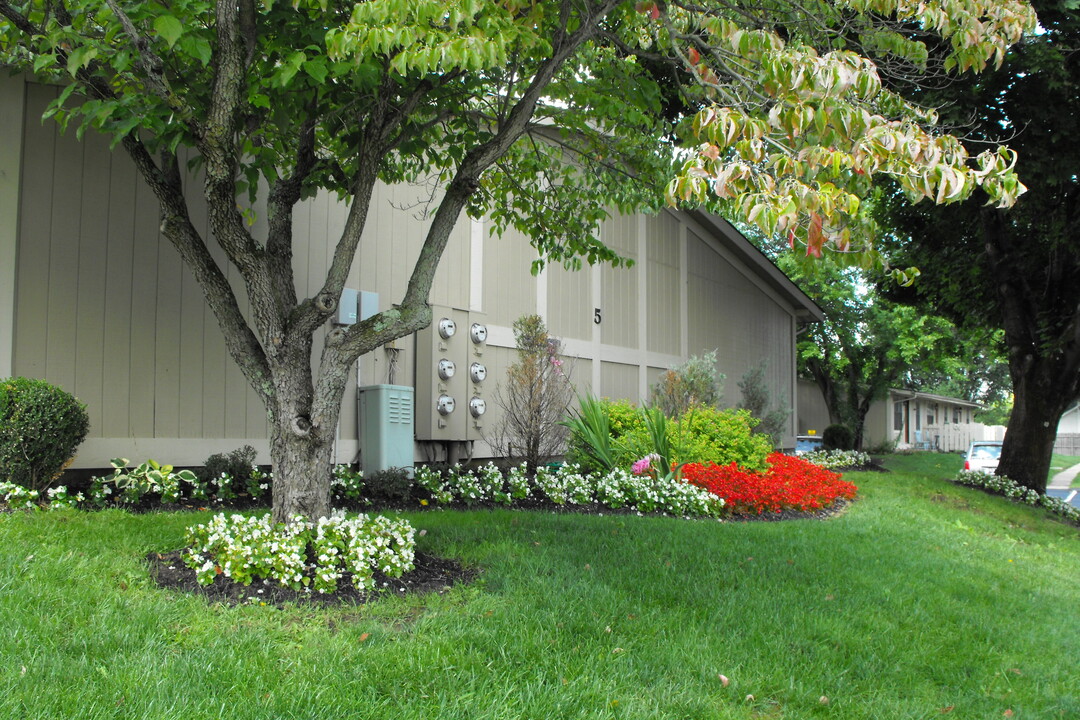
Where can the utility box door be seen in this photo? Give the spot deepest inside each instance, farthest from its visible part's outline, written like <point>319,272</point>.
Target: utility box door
<point>386,427</point>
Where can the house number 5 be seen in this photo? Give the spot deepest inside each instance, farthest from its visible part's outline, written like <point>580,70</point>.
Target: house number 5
<point>596,316</point>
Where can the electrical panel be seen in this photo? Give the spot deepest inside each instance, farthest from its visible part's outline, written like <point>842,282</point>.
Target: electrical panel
<point>355,305</point>
<point>451,387</point>
<point>386,427</point>
<point>347,307</point>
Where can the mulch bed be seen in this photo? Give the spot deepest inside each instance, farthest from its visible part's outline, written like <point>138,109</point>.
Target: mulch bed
<point>431,575</point>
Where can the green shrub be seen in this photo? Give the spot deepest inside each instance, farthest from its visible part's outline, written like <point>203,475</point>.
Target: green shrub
<point>703,434</point>
<point>838,437</point>
<point>695,382</point>
<point>708,435</point>
<point>41,426</point>
<point>392,485</point>
<point>227,473</point>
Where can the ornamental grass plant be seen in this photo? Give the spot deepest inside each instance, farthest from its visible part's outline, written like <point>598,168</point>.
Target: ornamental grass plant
<point>925,599</point>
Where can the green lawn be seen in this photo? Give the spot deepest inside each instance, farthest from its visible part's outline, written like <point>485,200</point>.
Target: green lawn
<point>922,597</point>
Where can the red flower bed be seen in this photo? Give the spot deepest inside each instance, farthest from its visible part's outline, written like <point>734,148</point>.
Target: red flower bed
<point>789,484</point>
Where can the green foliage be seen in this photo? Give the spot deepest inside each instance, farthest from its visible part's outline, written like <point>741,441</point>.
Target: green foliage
<point>837,437</point>
<point>130,485</point>
<point>41,426</point>
<point>391,485</point>
<point>710,435</point>
<point>234,467</point>
<point>694,382</point>
<point>703,434</point>
<point>591,442</point>
<point>756,399</point>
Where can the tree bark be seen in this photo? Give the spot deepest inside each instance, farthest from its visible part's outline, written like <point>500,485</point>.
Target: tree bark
<point>1045,368</point>
<point>1029,441</point>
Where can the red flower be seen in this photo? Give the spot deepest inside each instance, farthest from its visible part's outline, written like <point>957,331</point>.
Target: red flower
<point>789,484</point>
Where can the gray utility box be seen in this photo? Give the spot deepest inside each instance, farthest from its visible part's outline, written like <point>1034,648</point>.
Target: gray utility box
<point>386,427</point>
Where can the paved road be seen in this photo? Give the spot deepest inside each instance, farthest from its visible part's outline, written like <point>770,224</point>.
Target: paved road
<point>1072,496</point>
<point>1059,486</point>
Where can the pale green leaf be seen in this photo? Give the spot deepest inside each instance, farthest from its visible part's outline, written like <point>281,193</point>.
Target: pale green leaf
<point>169,28</point>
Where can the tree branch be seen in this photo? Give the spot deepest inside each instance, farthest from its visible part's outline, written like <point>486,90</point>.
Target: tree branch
<point>176,225</point>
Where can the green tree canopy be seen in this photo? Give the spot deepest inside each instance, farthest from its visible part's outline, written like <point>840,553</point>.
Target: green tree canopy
<point>1018,270</point>
<point>542,114</point>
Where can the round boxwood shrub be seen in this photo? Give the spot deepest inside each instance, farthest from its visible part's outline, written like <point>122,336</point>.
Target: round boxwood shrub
<point>41,426</point>
<point>838,437</point>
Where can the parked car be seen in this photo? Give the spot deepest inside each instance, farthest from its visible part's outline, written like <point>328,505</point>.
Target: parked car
<point>807,444</point>
<point>983,455</point>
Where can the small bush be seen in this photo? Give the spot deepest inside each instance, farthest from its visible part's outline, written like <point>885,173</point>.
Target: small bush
<point>703,434</point>
<point>708,435</point>
<point>391,485</point>
<point>228,472</point>
<point>695,382</point>
<point>838,437</point>
<point>41,426</point>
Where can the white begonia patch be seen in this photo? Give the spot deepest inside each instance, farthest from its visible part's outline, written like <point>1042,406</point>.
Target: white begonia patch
<point>249,548</point>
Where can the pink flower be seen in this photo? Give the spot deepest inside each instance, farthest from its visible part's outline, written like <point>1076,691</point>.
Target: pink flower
<point>644,465</point>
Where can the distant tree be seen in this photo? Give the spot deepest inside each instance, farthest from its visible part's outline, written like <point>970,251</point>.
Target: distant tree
<point>1016,270</point>
<point>543,115</point>
<point>756,398</point>
<point>866,345</point>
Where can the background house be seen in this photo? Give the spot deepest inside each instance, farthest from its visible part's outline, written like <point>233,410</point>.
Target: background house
<point>906,419</point>
<point>1068,433</point>
<point>93,299</point>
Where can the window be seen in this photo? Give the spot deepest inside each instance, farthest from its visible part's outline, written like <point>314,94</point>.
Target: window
<point>956,415</point>
<point>898,416</point>
<point>931,415</point>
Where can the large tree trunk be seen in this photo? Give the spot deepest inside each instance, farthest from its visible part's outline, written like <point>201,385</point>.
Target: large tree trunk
<point>1029,442</point>
<point>302,468</point>
<point>1044,366</point>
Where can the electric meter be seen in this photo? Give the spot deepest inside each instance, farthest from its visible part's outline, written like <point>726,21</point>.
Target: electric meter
<point>447,368</point>
<point>477,372</point>
<point>447,328</point>
<point>445,404</point>
<point>478,332</point>
<point>477,406</point>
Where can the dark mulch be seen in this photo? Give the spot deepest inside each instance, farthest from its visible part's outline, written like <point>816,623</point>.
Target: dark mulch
<point>431,575</point>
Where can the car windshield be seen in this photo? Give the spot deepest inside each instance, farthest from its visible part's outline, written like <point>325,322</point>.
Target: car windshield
<point>986,452</point>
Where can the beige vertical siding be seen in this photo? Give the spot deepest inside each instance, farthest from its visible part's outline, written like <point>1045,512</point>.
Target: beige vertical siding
<point>509,288</point>
<point>619,285</point>
<point>813,413</point>
<point>570,302</point>
<point>104,308</point>
<point>619,381</point>
<point>662,264</point>
<point>12,111</point>
<point>747,326</point>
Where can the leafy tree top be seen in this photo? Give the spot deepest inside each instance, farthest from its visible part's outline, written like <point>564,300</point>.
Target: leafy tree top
<point>785,107</point>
